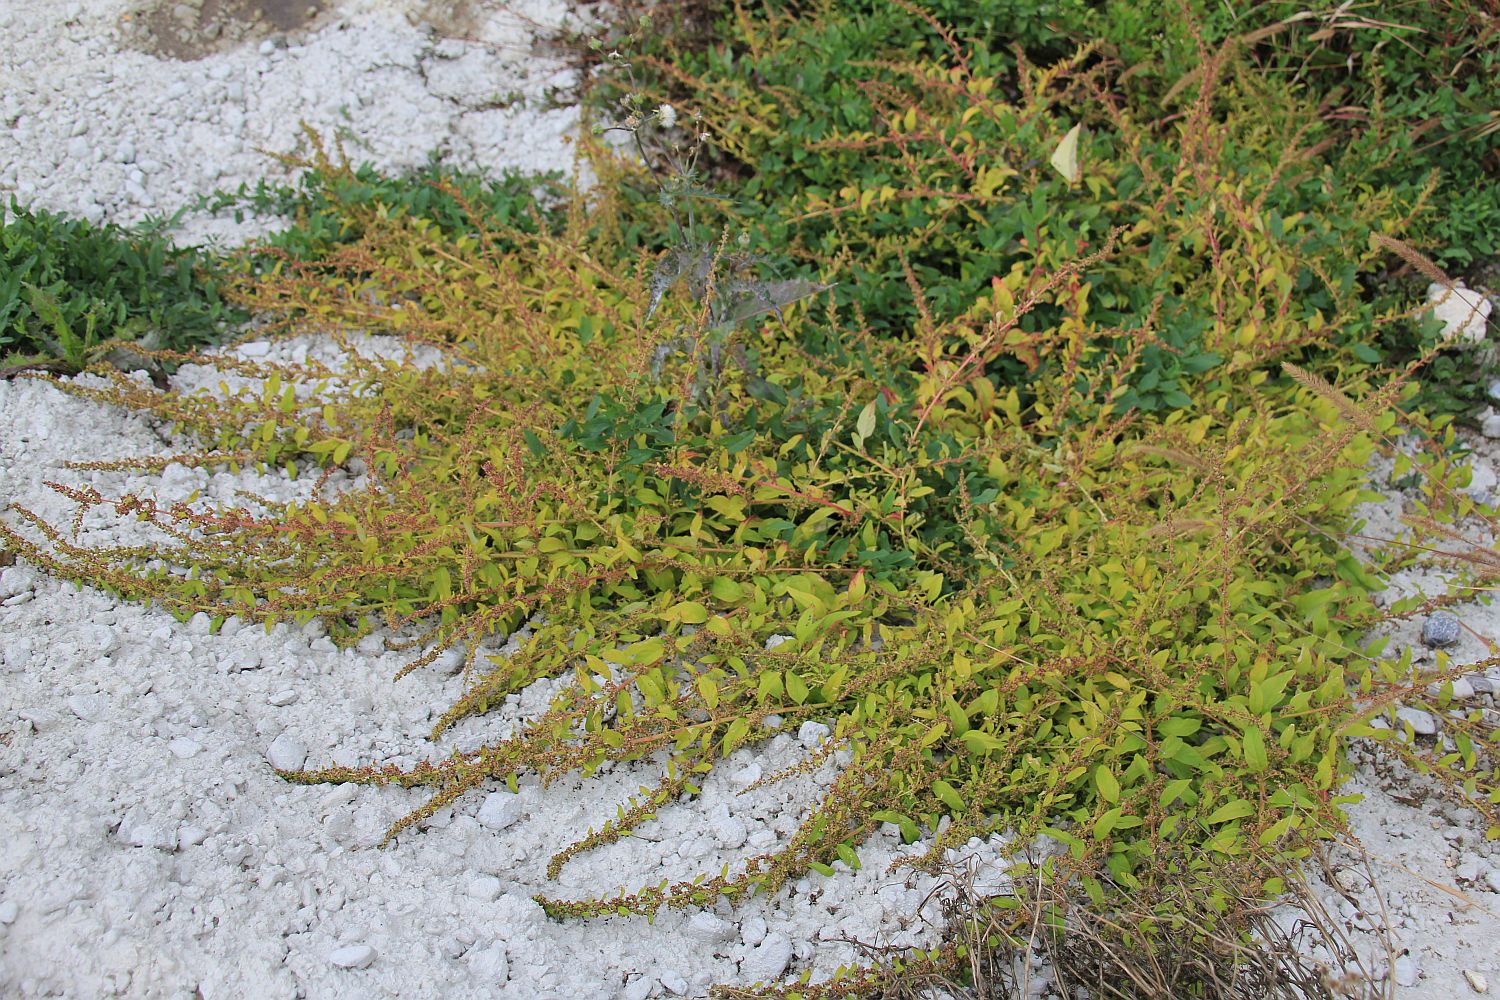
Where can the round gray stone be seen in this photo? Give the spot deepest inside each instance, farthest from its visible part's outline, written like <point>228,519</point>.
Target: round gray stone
<point>1441,629</point>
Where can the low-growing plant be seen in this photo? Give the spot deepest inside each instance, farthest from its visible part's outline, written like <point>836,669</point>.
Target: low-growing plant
<point>330,200</point>
<point>1023,599</point>
<point>73,293</point>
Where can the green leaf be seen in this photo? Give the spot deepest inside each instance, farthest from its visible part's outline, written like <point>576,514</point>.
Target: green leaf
<point>1107,783</point>
<point>686,612</point>
<point>726,590</point>
<point>1238,809</point>
<point>796,688</point>
<point>865,425</point>
<point>948,795</point>
<point>1254,742</point>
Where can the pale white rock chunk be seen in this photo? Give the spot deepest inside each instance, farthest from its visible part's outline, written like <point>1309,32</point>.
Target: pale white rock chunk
<point>1407,971</point>
<point>710,929</point>
<point>353,956</point>
<point>152,835</point>
<point>491,965</point>
<point>1463,312</point>
<point>499,810</point>
<point>728,831</point>
<point>286,753</point>
<point>485,888</point>
<point>768,960</point>
<point>183,748</point>
<point>1422,723</point>
<point>87,707</point>
<point>753,930</point>
<point>747,775</point>
<point>812,734</point>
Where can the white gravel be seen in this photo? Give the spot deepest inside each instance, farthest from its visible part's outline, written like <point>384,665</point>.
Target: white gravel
<point>144,834</point>
<point>100,130</point>
<point>146,846</point>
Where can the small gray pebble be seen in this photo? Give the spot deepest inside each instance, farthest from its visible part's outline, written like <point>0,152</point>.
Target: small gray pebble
<point>1494,390</point>
<point>1441,629</point>
<point>1422,723</point>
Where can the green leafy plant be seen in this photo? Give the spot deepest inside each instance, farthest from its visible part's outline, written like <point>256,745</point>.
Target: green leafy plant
<point>1049,532</point>
<point>73,293</point>
<point>330,205</point>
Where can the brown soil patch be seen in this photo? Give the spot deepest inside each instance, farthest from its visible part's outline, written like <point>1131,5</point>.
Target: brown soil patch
<point>193,29</point>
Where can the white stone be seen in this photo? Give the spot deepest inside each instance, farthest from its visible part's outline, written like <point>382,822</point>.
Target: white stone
<point>353,956</point>
<point>728,831</point>
<point>9,911</point>
<point>747,775</point>
<point>485,888</point>
<point>812,734</point>
<point>753,930</point>
<point>1422,723</point>
<point>499,810</point>
<point>673,983</point>
<point>286,753</point>
<point>283,698</point>
<point>1463,312</point>
<point>761,839</point>
<point>41,720</point>
<point>709,929</point>
<point>1407,971</point>
<point>491,965</point>
<point>240,660</point>
<point>87,707</point>
<point>150,835</point>
<point>768,960</point>
<point>183,748</point>
<point>14,579</point>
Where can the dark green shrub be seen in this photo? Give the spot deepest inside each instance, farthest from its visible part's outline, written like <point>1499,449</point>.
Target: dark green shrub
<point>68,288</point>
